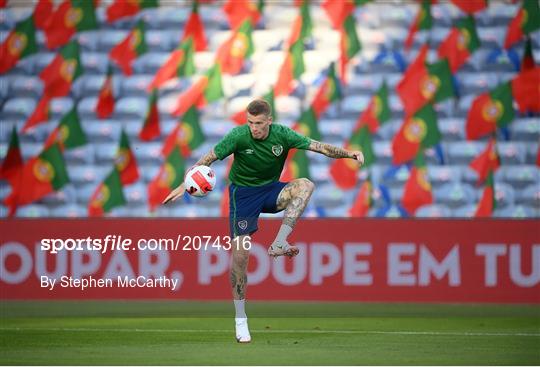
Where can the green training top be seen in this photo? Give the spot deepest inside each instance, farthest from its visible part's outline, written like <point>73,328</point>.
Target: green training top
<point>258,162</point>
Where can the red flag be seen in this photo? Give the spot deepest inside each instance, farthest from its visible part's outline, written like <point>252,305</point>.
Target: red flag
<point>363,202</point>
<point>43,13</point>
<point>126,8</point>
<point>105,103</point>
<point>62,71</point>
<point>13,162</point>
<point>125,161</point>
<point>526,90</point>
<point>487,202</point>
<point>239,10</point>
<point>125,53</point>
<point>68,19</point>
<point>337,11</point>
<point>233,52</point>
<point>470,6</point>
<point>422,21</point>
<point>180,63</point>
<point>150,129</point>
<point>40,114</point>
<point>195,29</point>
<point>417,190</point>
<point>191,97</point>
<point>486,162</point>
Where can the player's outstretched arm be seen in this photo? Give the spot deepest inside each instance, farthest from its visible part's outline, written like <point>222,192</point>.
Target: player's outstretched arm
<point>206,160</point>
<point>335,152</point>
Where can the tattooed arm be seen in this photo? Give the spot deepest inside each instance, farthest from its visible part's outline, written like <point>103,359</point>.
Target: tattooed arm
<point>335,152</point>
<point>205,160</point>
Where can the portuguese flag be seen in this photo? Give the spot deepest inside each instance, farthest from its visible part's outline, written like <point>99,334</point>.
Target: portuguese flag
<point>69,133</point>
<point>470,6</point>
<point>337,11</point>
<point>43,12</point>
<point>427,83</point>
<point>527,20</point>
<point>108,195</point>
<point>329,92</point>
<point>179,64</point>
<point>232,53</point>
<point>345,171</point>
<point>240,117</point>
<point>20,42</point>
<point>194,29</point>
<point>526,90</point>
<point>125,161</point>
<point>417,131</point>
<point>349,45</point>
<point>170,175</point>
<point>188,134</point>
<point>39,177</point>
<point>302,26</point>
<point>527,62</point>
<point>291,69</point>
<point>207,89</point>
<point>487,203</point>
<point>363,201</point>
<point>423,21</point>
<point>150,129</point>
<point>489,111</point>
<point>417,190</point>
<point>105,103</point>
<point>72,16</point>
<point>13,162</point>
<point>460,43</point>
<point>40,114</point>
<point>486,162</point>
<point>238,11</point>
<point>130,48</point>
<point>307,124</point>
<point>127,8</point>
<point>63,70</point>
<point>297,166</point>
<point>377,111</point>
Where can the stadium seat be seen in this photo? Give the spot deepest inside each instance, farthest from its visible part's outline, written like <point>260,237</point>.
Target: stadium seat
<point>18,108</point>
<point>69,211</point>
<point>465,211</point>
<point>455,194</point>
<point>452,129</point>
<point>32,211</point>
<point>100,131</point>
<point>529,195</point>
<point>94,62</point>
<point>89,40</point>
<point>136,193</point>
<point>135,86</point>
<point>131,108</point>
<point>60,106</point>
<point>463,152</point>
<point>147,153</point>
<point>110,38</point>
<point>433,211</point>
<point>532,152</point>
<point>511,152</point>
<point>521,176</point>
<point>517,211</point>
<point>86,174</point>
<point>64,196</point>
<point>504,194</point>
<point>439,175</point>
<point>526,129</point>
<point>21,86</point>
<point>476,83</point>
<point>81,155</point>
<point>105,152</point>
<point>328,196</point>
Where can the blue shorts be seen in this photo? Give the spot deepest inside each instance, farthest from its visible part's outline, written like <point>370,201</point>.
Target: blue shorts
<point>247,203</point>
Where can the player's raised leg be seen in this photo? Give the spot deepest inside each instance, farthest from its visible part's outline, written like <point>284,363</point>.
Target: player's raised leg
<point>293,198</point>
<point>238,278</point>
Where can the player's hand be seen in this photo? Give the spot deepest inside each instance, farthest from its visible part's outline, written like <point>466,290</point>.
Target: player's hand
<point>175,194</point>
<point>358,156</point>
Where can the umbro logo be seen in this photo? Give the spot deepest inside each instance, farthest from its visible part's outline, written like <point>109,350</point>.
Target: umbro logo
<point>249,151</point>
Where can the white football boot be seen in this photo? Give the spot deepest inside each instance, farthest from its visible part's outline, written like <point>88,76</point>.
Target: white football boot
<point>283,249</point>
<point>242,330</point>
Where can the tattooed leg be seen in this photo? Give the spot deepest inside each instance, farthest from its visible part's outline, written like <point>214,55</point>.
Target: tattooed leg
<point>293,198</point>
<point>238,275</point>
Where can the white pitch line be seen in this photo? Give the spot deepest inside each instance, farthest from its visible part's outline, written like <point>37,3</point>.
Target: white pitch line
<point>277,331</point>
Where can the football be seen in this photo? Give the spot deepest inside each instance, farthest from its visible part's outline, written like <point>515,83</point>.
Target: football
<point>200,180</point>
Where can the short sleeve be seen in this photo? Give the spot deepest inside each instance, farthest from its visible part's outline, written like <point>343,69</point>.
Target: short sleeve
<point>296,140</point>
<point>227,145</point>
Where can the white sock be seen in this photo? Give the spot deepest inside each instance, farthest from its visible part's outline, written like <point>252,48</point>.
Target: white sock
<point>239,308</point>
<point>283,233</point>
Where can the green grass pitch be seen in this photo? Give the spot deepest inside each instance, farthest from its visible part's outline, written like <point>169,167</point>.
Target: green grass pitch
<point>193,333</point>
